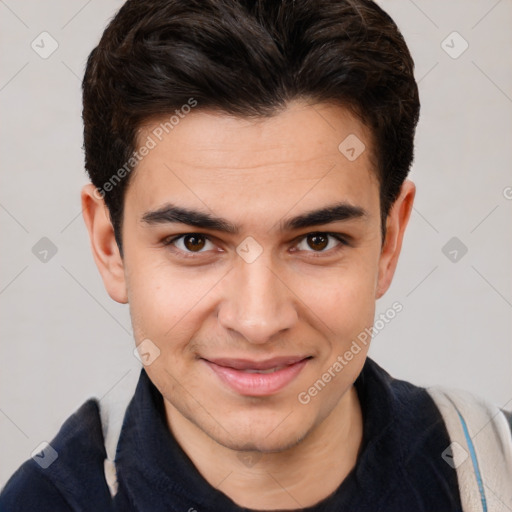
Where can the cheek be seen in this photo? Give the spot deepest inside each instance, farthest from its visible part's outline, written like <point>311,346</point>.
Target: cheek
<point>154,301</point>
<point>343,298</point>
<point>164,301</point>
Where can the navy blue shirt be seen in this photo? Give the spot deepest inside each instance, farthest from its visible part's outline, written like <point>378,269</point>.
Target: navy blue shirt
<point>399,468</point>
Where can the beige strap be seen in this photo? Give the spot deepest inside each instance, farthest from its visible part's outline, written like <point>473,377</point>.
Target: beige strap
<point>480,449</point>
<point>112,411</point>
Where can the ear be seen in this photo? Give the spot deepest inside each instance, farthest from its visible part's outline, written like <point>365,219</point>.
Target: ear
<point>396,223</point>
<point>103,243</point>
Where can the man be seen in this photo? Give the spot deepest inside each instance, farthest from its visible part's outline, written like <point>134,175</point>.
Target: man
<point>248,201</point>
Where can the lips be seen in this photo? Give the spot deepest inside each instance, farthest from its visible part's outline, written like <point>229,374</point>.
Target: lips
<point>268,364</point>
<point>257,378</point>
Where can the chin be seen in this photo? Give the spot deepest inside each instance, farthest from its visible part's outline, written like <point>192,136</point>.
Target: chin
<point>265,438</point>
<point>260,445</point>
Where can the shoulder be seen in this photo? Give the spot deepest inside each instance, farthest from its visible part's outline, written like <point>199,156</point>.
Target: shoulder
<point>405,417</point>
<point>405,437</point>
<point>481,446</point>
<point>67,473</point>
<point>468,415</point>
<point>29,489</point>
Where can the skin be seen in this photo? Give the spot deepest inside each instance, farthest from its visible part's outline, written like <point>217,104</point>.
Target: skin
<point>294,299</point>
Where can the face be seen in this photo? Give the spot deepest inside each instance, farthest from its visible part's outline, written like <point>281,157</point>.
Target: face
<point>242,296</point>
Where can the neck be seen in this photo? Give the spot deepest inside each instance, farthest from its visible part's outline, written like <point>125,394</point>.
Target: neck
<point>295,478</point>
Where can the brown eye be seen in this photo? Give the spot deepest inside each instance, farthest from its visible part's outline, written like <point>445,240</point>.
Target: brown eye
<point>189,245</point>
<point>194,242</point>
<point>318,241</point>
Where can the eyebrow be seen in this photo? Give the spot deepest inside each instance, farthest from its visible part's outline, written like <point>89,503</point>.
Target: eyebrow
<point>170,213</point>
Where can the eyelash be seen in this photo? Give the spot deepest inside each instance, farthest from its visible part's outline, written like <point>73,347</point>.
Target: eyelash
<point>315,254</point>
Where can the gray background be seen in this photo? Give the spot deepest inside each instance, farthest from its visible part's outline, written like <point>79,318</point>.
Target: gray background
<point>64,340</point>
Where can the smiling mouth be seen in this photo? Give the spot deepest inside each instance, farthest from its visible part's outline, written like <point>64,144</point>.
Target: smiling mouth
<point>257,378</point>
<point>270,370</point>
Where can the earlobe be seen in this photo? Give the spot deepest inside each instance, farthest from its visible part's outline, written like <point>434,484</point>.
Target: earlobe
<point>396,223</point>
<point>103,244</point>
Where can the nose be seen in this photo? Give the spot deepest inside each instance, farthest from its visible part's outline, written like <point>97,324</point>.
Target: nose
<point>257,304</point>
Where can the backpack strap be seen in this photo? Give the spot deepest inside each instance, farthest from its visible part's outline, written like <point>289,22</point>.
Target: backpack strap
<point>480,449</point>
<point>112,412</point>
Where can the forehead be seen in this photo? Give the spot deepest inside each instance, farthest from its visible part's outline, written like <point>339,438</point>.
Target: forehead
<point>298,155</point>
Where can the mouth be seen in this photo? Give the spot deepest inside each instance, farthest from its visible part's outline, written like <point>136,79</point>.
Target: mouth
<point>257,378</point>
